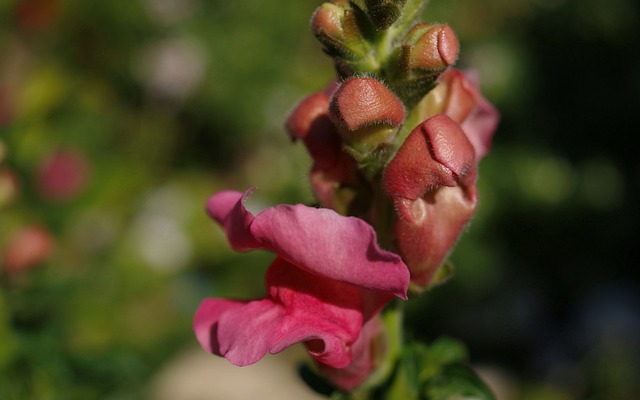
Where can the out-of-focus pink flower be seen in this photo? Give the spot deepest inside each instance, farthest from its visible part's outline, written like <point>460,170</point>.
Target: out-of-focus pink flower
<point>329,278</point>
<point>37,15</point>
<point>432,183</point>
<point>27,248</point>
<point>63,175</point>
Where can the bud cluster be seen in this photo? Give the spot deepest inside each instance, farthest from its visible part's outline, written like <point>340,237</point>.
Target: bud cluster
<point>398,140</point>
<point>382,39</point>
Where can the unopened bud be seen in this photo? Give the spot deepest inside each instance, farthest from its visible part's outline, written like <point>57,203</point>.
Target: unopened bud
<point>367,112</point>
<point>436,153</point>
<point>362,102</point>
<point>326,23</point>
<point>383,13</point>
<point>430,47</point>
<point>305,113</point>
<point>431,181</point>
<point>336,27</point>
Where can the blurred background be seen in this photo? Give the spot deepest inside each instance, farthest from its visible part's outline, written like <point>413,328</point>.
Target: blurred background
<point>119,118</point>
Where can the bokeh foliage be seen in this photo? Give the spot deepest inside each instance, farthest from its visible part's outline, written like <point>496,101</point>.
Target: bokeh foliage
<point>172,100</point>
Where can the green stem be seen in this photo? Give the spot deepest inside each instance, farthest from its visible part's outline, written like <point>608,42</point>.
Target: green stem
<point>393,320</point>
<point>411,12</point>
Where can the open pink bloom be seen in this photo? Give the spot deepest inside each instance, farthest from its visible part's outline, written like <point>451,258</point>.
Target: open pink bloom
<point>329,278</point>
<point>432,183</point>
<point>63,175</point>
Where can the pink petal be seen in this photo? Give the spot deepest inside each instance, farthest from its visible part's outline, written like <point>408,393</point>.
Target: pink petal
<point>364,352</point>
<point>241,332</point>
<point>227,208</point>
<point>301,307</point>
<point>317,240</point>
<point>328,244</point>
<point>205,322</point>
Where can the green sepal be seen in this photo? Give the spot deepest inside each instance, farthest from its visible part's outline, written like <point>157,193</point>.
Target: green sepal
<point>442,275</point>
<point>384,13</point>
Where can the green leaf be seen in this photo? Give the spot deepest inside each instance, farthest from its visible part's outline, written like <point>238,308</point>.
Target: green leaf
<point>446,350</point>
<point>457,382</point>
<point>406,383</point>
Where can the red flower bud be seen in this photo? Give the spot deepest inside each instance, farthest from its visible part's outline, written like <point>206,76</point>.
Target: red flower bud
<point>305,113</point>
<point>436,153</point>
<point>431,181</point>
<point>431,47</point>
<point>310,122</point>
<point>364,102</point>
<point>326,23</point>
<point>333,167</point>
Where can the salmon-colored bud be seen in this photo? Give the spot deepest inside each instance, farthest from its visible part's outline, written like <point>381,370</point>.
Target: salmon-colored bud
<point>438,219</point>
<point>30,246</point>
<point>431,47</point>
<point>326,22</point>
<point>305,113</point>
<point>363,102</point>
<point>310,122</point>
<point>336,27</point>
<point>431,182</point>
<point>332,167</point>
<point>436,153</point>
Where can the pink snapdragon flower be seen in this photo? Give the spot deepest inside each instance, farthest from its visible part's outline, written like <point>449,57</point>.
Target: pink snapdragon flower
<point>329,279</point>
<point>27,248</point>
